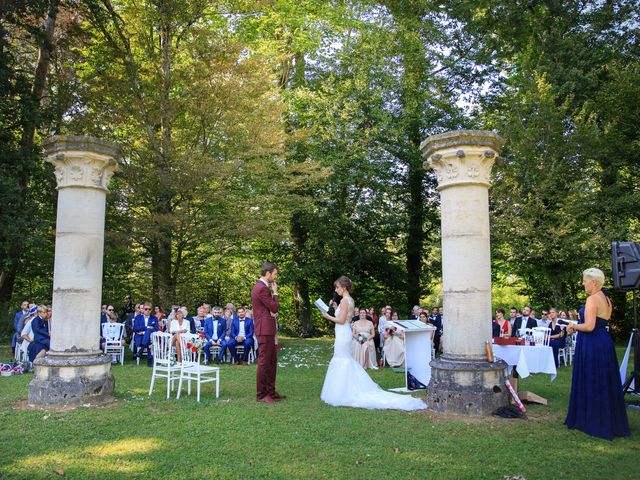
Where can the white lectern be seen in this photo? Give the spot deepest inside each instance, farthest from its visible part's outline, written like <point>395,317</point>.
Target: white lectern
<point>417,350</point>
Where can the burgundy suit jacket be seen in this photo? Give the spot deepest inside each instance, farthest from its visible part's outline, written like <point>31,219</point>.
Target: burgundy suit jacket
<point>263,304</point>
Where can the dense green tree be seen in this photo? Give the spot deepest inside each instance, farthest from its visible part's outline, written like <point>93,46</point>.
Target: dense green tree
<point>194,114</point>
<point>26,46</point>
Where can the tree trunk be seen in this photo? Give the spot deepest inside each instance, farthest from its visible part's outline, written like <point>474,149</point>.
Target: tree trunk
<point>415,237</point>
<point>7,280</point>
<point>164,281</point>
<point>301,283</point>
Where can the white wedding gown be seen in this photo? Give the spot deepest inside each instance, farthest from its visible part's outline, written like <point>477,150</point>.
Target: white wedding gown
<point>347,384</point>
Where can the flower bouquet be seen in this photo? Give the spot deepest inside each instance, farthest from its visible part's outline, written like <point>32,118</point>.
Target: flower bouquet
<point>362,339</point>
<point>392,331</point>
<point>8,369</point>
<point>198,344</point>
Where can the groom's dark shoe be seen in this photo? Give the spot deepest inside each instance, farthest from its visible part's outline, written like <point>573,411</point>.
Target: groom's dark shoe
<point>266,400</point>
<point>277,396</point>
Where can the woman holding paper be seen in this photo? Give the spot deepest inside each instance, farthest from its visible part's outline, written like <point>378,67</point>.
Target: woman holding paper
<point>596,402</point>
<point>347,383</point>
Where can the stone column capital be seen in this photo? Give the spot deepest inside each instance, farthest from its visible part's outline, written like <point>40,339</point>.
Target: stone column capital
<point>81,161</point>
<point>462,157</point>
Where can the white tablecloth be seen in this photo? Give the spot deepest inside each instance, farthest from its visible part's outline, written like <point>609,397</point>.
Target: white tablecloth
<point>527,360</point>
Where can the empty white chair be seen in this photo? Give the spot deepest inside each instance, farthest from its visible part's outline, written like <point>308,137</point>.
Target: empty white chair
<point>164,364</point>
<point>541,336</point>
<point>192,370</point>
<point>571,346</point>
<point>253,353</point>
<point>562,353</point>
<point>113,334</point>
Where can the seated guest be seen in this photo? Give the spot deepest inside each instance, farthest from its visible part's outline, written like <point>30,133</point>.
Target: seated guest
<point>200,329</point>
<point>495,329</point>
<point>179,326</point>
<point>18,325</point>
<point>503,323</point>
<point>143,326</point>
<point>362,331</point>
<point>158,313</point>
<point>435,319</point>
<point>393,343</point>
<point>111,318</point>
<point>128,323</point>
<point>231,308</point>
<point>198,321</point>
<point>544,318</point>
<point>27,332</point>
<point>424,318</point>
<point>524,321</point>
<point>241,334</point>
<point>557,340</point>
<point>41,335</point>
<point>215,329</point>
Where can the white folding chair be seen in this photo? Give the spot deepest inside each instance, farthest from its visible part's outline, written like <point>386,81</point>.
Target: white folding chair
<point>164,365</point>
<point>239,352</point>
<point>251,357</point>
<point>562,353</point>
<point>192,370</point>
<point>571,346</point>
<point>18,351</point>
<point>214,351</point>
<point>541,336</point>
<point>113,334</point>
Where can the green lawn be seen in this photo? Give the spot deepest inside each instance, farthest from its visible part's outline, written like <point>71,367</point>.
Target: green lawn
<point>235,437</point>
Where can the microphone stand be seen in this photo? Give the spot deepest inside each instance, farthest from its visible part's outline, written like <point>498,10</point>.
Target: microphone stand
<point>634,376</point>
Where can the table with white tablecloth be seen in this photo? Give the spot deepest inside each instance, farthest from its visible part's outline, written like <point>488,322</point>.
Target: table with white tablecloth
<point>527,359</point>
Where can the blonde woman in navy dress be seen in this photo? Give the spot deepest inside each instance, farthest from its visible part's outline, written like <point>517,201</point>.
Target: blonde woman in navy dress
<point>596,404</point>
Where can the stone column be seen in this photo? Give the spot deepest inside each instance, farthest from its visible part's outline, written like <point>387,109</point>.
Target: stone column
<point>462,380</point>
<point>75,371</point>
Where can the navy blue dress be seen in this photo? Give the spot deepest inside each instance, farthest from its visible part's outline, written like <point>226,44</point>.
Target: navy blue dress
<point>556,343</point>
<point>596,404</point>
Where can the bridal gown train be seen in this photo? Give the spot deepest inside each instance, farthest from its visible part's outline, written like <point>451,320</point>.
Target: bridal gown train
<point>347,384</point>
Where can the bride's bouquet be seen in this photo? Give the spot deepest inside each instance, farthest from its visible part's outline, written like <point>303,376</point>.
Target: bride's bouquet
<point>392,331</point>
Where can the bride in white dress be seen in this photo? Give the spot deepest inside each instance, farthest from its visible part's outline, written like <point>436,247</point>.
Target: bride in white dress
<point>347,384</point>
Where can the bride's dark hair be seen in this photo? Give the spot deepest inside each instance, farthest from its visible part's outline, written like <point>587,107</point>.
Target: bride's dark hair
<point>344,282</point>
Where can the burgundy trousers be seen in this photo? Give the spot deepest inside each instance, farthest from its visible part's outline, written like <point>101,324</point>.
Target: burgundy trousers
<point>267,364</point>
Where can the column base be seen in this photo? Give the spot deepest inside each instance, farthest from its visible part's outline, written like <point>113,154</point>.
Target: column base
<point>467,388</point>
<point>63,379</point>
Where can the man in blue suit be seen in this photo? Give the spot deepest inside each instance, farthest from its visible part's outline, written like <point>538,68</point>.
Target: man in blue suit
<point>143,326</point>
<point>241,334</point>
<point>214,331</point>
<point>18,325</point>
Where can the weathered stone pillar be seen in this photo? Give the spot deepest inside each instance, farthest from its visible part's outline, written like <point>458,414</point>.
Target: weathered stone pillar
<point>462,381</point>
<point>75,371</point>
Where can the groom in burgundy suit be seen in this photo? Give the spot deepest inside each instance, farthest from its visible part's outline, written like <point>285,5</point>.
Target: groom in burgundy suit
<point>265,306</point>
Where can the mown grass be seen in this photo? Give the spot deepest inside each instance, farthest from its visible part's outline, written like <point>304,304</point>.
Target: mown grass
<point>235,437</point>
